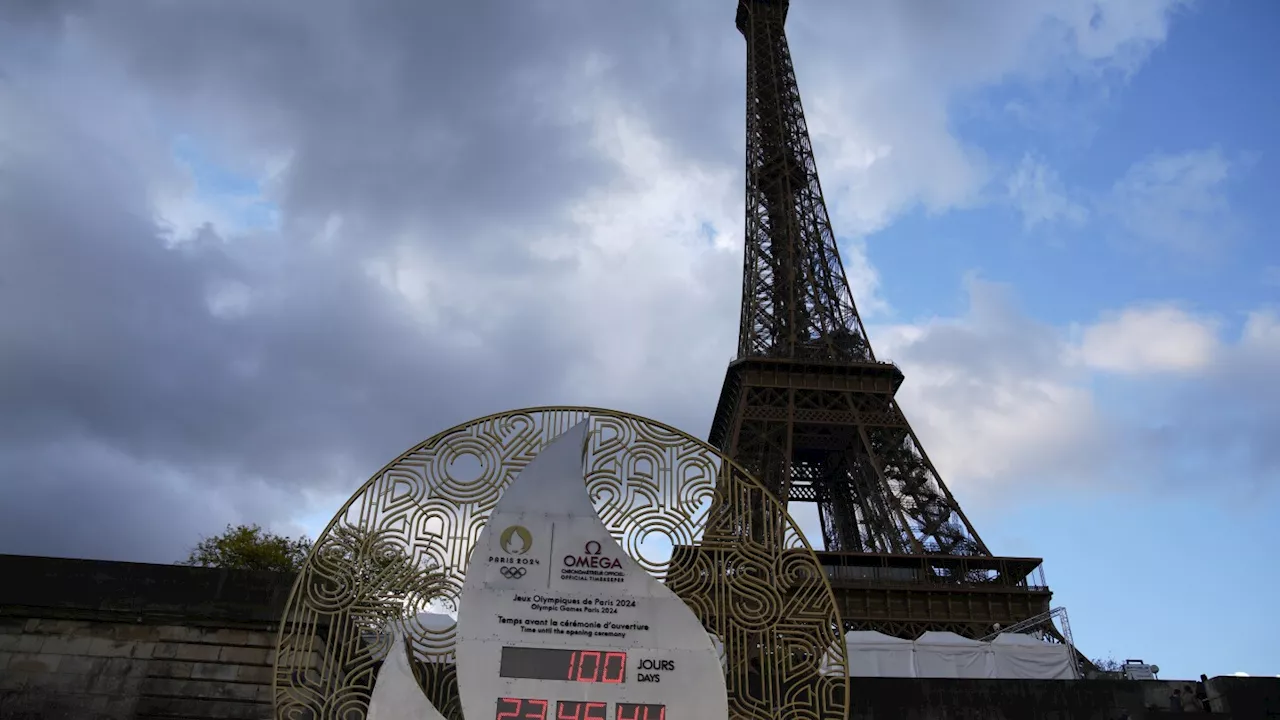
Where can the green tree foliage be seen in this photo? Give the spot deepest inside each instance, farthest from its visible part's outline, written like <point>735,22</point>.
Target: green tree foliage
<point>1108,665</point>
<point>249,547</point>
<point>384,580</point>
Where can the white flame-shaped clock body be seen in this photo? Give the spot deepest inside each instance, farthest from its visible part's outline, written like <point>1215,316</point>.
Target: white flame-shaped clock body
<point>557,622</point>
<point>396,694</point>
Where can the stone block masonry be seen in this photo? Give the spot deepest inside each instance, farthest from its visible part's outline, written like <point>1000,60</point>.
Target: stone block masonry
<point>84,639</point>
<point>90,640</point>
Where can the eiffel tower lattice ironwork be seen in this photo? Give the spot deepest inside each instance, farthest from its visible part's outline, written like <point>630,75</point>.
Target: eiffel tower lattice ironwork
<point>807,407</point>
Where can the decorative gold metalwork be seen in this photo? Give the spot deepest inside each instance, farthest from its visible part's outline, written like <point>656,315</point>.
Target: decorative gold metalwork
<point>685,512</point>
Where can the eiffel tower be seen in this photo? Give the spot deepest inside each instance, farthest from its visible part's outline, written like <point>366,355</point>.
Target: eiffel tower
<point>807,408</point>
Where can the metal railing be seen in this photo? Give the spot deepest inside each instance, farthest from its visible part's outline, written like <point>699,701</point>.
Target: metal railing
<point>1041,623</point>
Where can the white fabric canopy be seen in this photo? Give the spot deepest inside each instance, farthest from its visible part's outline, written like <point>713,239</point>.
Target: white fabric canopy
<point>832,665</point>
<point>1024,657</point>
<point>873,654</point>
<point>948,655</point>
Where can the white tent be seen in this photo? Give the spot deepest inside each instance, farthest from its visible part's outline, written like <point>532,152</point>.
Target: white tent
<point>948,655</point>
<point>832,665</point>
<point>1026,658</point>
<point>873,654</point>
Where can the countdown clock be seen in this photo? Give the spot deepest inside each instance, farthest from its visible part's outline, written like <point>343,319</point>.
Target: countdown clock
<point>557,622</point>
<point>530,709</point>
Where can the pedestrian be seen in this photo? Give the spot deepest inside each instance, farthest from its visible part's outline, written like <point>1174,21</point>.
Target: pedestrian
<point>1175,701</point>
<point>1189,701</point>
<point>1202,693</point>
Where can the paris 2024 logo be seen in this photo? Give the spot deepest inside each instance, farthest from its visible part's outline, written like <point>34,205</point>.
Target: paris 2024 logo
<point>516,541</point>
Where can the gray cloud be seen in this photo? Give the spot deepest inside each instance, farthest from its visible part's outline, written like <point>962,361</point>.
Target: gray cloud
<point>409,112</point>
<point>1008,406</point>
<point>479,209</point>
<point>1222,425</point>
<point>997,401</point>
<point>134,415</point>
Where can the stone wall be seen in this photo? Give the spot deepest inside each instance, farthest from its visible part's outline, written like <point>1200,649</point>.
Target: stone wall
<point>85,639</point>
<point>1246,697</point>
<point>73,669</point>
<point>944,699</point>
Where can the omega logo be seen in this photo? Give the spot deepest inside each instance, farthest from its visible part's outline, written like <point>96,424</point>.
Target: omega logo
<point>590,558</point>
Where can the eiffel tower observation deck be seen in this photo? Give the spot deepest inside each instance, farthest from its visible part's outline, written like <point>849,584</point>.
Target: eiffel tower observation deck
<point>807,408</point>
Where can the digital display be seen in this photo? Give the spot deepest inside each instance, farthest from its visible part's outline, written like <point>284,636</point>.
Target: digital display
<point>557,620</point>
<point>521,709</point>
<point>531,709</point>
<point>634,711</point>
<point>576,710</point>
<point>589,666</point>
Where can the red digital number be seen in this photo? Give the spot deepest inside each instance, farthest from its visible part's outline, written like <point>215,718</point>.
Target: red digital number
<point>633,711</point>
<point>615,667</point>
<point>521,709</point>
<point>595,666</point>
<point>575,710</point>
<point>588,672</point>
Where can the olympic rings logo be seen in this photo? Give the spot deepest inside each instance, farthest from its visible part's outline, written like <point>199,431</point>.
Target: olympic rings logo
<point>512,573</point>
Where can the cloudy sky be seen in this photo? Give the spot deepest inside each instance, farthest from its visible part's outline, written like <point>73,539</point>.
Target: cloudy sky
<point>250,251</point>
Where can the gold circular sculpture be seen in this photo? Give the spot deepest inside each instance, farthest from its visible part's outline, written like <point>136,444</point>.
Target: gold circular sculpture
<point>689,515</point>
